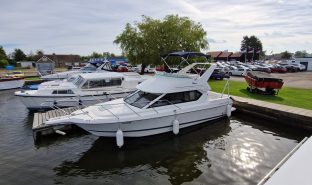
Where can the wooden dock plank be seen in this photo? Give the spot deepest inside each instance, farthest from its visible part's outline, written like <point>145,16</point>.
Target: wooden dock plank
<point>36,120</point>
<point>53,113</point>
<point>39,119</point>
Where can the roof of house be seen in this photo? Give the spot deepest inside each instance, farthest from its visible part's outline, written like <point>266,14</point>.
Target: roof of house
<point>236,55</point>
<point>225,54</point>
<point>45,59</point>
<point>63,58</point>
<point>214,54</point>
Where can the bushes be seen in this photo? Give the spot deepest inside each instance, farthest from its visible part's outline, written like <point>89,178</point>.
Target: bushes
<point>3,63</point>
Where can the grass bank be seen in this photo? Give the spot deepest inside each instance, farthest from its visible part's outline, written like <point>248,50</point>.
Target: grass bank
<point>33,78</point>
<point>295,97</point>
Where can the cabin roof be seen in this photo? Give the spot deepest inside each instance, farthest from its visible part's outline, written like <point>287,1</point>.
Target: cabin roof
<point>102,75</point>
<point>169,84</point>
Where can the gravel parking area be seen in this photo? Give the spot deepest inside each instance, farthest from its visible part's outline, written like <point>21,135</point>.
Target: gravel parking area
<point>299,79</point>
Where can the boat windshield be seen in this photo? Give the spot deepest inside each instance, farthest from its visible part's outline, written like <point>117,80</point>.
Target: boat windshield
<point>71,79</point>
<point>89,67</point>
<point>79,81</point>
<point>140,99</point>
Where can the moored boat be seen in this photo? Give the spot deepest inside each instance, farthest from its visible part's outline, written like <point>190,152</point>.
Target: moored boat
<point>167,102</point>
<point>91,67</point>
<point>80,90</point>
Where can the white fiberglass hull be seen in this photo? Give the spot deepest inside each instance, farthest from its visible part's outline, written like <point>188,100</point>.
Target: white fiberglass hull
<point>11,84</point>
<point>157,125</point>
<point>44,102</point>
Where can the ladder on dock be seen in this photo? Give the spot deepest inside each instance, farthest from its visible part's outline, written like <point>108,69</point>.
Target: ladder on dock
<point>40,118</point>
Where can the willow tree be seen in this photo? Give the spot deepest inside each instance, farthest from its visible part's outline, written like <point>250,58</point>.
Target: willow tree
<point>144,42</point>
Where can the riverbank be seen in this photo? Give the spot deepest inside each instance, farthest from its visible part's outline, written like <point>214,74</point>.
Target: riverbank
<point>296,97</point>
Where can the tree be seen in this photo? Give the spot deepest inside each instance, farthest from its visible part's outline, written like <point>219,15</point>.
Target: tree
<point>3,55</point>
<point>144,42</point>
<point>301,54</point>
<point>31,56</point>
<point>40,53</point>
<point>96,55</point>
<point>19,55</point>
<point>252,46</point>
<point>286,55</point>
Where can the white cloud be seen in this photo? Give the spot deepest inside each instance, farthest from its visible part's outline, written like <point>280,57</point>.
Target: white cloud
<point>77,26</point>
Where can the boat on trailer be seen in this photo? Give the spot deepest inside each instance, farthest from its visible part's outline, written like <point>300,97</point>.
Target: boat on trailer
<point>264,83</point>
<point>10,82</point>
<point>164,103</point>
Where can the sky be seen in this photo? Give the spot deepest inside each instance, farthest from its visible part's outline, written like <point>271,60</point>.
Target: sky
<point>84,26</point>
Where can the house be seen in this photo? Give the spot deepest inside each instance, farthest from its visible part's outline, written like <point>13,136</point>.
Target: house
<point>238,56</point>
<point>214,54</point>
<point>45,66</point>
<point>224,56</point>
<point>63,60</point>
<point>307,61</point>
<point>26,64</point>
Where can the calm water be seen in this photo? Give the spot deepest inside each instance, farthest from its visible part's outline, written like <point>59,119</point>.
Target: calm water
<point>235,151</point>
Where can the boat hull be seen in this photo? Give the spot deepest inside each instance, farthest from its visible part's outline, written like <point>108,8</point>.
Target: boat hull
<point>11,84</point>
<point>157,125</point>
<point>44,102</point>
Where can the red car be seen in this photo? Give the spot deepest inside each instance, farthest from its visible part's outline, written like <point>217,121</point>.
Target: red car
<point>278,69</point>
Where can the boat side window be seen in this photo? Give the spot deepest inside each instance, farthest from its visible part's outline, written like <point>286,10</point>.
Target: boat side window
<point>68,91</point>
<point>112,82</point>
<point>140,99</point>
<point>176,98</point>
<point>95,84</point>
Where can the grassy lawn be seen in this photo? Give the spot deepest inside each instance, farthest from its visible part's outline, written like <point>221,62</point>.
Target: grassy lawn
<point>33,78</point>
<point>287,96</point>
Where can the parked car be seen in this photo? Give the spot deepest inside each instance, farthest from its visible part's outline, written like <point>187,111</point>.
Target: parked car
<point>217,74</point>
<point>148,69</point>
<point>300,66</point>
<point>263,69</point>
<point>120,68</point>
<point>278,69</point>
<point>290,67</point>
<point>238,71</point>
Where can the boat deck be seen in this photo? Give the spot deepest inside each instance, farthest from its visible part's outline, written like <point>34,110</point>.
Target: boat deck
<point>294,168</point>
<point>39,126</point>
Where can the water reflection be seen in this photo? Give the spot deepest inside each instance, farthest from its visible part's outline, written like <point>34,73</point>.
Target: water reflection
<point>178,157</point>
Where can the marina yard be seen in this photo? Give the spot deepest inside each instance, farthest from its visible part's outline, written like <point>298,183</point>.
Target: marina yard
<point>241,150</point>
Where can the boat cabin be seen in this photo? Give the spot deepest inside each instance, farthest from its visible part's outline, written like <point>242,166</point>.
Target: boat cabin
<point>96,81</point>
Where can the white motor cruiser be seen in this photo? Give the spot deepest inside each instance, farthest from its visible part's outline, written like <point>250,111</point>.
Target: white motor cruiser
<point>165,103</point>
<point>91,67</point>
<point>82,89</point>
